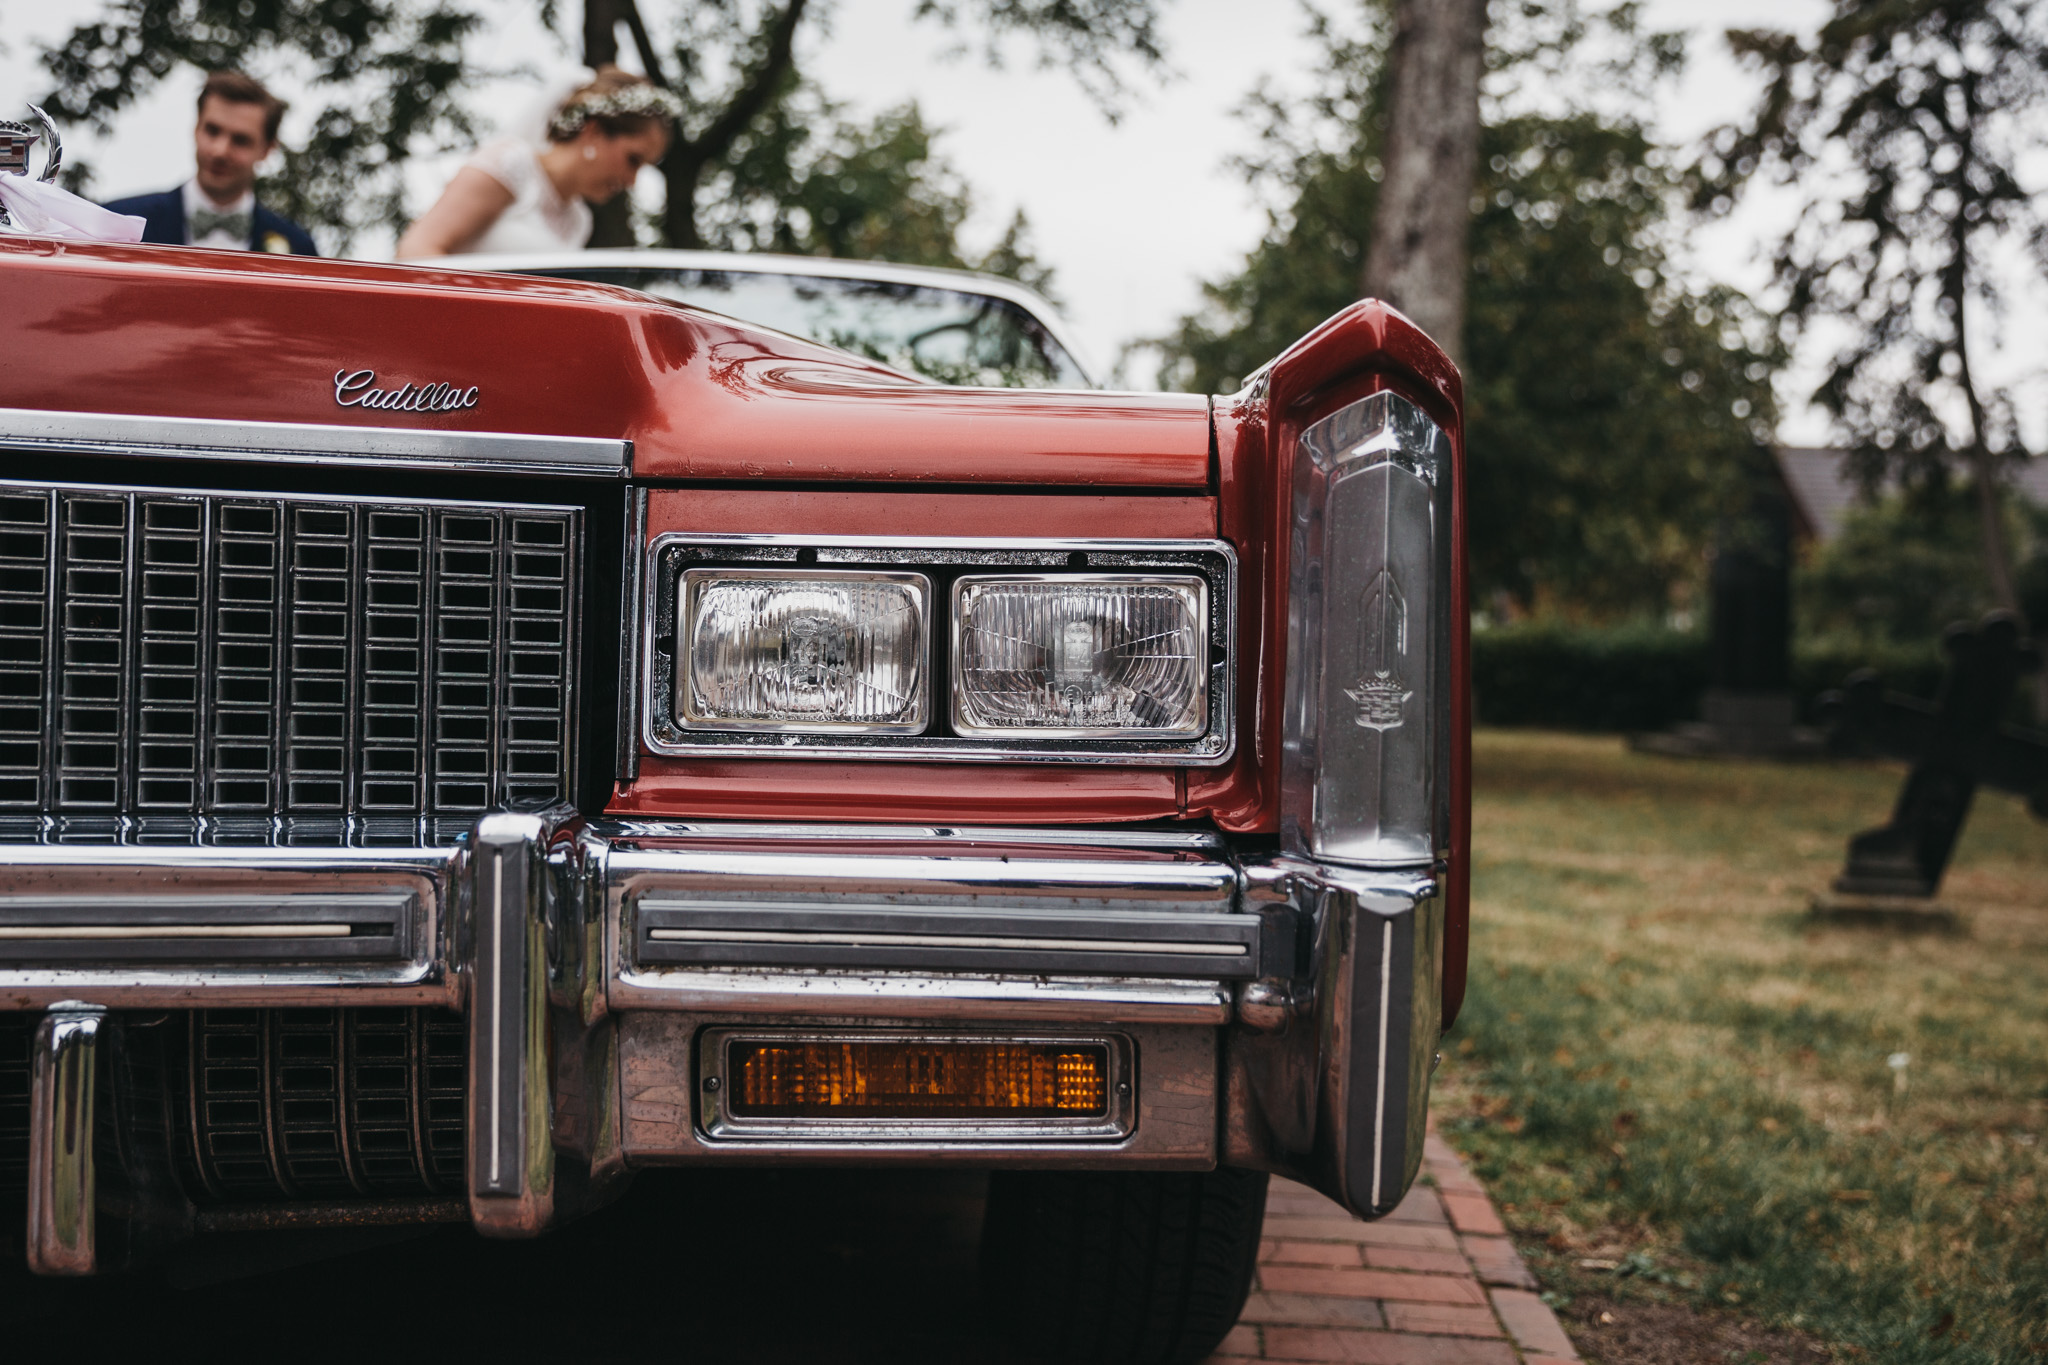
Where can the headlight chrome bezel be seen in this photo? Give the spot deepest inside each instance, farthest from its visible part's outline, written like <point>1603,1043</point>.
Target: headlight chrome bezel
<point>942,560</point>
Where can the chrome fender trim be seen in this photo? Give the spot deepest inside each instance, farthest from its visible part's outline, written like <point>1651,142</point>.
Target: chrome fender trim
<point>1331,1087</point>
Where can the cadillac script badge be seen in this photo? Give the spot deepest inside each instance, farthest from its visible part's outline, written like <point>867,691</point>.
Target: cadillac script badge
<point>358,389</point>
<point>1380,692</point>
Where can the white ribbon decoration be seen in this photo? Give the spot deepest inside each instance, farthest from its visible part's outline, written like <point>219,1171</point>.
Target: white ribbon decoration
<point>38,210</point>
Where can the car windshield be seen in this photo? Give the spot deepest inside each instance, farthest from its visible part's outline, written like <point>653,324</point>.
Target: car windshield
<point>950,335</point>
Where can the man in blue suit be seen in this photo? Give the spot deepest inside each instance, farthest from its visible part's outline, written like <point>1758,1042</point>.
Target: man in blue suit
<point>237,129</point>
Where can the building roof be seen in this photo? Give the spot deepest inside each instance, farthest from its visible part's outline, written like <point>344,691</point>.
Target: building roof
<point>1824,491</point>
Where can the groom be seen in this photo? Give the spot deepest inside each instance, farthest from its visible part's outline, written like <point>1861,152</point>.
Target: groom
<point>237,129</point>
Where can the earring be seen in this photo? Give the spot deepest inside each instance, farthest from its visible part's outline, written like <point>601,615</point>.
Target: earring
<point>590,153</point>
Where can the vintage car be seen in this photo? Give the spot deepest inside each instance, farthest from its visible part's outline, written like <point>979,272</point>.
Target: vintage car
<point>468,738</point>
<point>952,326</point>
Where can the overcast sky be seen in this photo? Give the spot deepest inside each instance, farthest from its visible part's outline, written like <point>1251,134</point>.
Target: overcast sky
<point>1131,216</point>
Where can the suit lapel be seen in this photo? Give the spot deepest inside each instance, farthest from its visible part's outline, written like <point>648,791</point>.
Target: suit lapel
<point>174,217</point>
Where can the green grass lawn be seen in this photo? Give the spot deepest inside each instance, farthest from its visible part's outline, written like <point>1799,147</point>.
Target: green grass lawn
<point>1664,1069</point>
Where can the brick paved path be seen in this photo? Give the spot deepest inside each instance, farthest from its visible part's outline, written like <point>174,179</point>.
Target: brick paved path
<point>1436,1282</point>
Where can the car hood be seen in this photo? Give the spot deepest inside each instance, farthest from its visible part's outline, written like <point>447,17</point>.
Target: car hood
<point>239,336</point>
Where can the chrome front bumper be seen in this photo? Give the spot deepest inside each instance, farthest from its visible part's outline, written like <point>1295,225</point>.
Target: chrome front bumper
<point>1271,1012</point>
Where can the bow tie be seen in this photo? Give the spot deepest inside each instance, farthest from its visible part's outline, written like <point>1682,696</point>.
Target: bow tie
<point>206,222</point>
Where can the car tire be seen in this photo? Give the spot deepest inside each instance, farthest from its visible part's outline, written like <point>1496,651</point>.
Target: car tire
<point>1122,1268</point>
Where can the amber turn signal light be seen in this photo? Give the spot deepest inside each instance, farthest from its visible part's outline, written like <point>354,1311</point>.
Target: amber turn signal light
<point>917,1080</point>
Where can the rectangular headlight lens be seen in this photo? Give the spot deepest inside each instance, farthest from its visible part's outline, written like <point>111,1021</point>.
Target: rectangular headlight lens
<point>815,650</point>
<point>1080,656</point>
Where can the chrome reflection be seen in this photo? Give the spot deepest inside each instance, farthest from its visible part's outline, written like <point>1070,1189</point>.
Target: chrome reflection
<point>61,1181</point>
<point>1366,727</point>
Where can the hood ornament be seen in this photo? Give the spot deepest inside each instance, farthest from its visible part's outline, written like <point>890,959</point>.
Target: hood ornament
<point>16,138</point>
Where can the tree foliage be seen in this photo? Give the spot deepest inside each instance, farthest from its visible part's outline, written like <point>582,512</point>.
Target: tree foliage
<point>1094,39</point>
<point>1612,407</point>
<point>1902,124</point>
<point>1907,566</point>
<point>733,63</point>
<point>807,180</point>
<point>399,72</point>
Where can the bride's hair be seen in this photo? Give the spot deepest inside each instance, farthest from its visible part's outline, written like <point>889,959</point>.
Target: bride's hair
<point>617,101</point>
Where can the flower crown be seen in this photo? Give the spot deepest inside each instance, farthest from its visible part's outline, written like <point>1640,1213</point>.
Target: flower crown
<point>632,101</point>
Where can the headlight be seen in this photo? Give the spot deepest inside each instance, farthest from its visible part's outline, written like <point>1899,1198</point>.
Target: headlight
<point>1080,656</point>
<point>812,650</point>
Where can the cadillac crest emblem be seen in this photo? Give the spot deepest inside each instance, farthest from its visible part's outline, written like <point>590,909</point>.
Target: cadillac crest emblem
<point>17,139</point>
<point>1380,692</point>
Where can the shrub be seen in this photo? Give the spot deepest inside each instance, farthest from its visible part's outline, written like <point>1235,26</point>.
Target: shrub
<point>1634,677</point>
<point>1648,677</point>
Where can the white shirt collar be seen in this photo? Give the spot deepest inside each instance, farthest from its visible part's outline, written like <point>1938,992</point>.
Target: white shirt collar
<point>196,198</point>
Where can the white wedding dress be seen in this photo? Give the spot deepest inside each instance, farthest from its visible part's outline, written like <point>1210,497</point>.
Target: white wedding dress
<point>538,219</point>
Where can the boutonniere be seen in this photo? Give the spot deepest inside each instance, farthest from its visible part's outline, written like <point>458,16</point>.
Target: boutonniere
<point>276,241</point>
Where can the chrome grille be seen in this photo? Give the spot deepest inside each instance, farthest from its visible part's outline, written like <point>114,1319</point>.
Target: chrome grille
<point>17,1040</point>
<point>218,653</point>
<point>317,1104</point>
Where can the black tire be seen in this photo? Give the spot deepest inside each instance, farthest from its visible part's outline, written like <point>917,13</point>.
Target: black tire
<point>1122,1268</point>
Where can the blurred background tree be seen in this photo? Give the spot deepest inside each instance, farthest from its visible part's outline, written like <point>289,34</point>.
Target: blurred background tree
<point>806,179</point>
<point>1614,406</point>
<point>733,62</point>
<point>750,157</point>
<point>1906,566</point>
<point>1905,126</point>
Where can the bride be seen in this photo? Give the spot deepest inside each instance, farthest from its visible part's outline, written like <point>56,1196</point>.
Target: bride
<point>512,196</point>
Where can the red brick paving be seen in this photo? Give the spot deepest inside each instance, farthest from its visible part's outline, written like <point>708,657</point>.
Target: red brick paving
<point>1311,1310</point>
<point>1383,1348</point>
<point>1474,1213</point>
<point>1371,1284</point>
<point>1403,1258</point>
<point>1319,1253</point>
<point>1497,1262</point>
<point>1348,1229</point>
<point>1421,1206</point>
<point>1530,1322</point>
<point>1436,1282</point>
<point>1441,1317</point>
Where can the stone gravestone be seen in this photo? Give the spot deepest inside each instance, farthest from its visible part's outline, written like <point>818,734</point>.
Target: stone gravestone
<point>1747,707</point>
<point>1955,743</point>
<point>1748,702</point>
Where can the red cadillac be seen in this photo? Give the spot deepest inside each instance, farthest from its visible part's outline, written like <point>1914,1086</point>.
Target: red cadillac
<point>468,738</point>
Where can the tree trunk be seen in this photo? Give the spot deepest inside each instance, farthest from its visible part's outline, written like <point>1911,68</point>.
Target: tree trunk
<point>1422,228</point>
<point>1984,477</point>
<point>682,170</point>
<point>612,223</point>
<point>690,157</point>
<point>1991,527</point>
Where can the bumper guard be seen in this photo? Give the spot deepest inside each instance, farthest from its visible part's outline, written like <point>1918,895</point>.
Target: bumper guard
<point>589,957</point>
